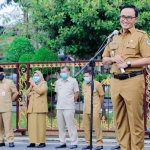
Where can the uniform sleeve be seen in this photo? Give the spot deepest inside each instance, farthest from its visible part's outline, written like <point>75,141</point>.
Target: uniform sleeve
<point>100,89</point>
<point>56,87</point>
<point>82,89</point>
<point>42,89</point>
<point>106,52</point>
<point>28,91</point>
<point>13,87</point>
<point>75,86</point>
<point>145,46</point>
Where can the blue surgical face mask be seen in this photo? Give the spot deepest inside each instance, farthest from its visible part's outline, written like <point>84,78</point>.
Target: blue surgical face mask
<point>87,79</point>
<point>36,79</point>
<point>63,75</point>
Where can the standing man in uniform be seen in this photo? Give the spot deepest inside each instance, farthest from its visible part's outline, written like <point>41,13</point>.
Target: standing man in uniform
<point>8,93</point>
<point>98,98</point>
<point>130,49</point>
<point>67,93</point>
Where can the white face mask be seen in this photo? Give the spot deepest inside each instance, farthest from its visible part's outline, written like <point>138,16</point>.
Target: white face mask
<point>87,79</point>
<point>63,75</point>
<point>36,79</point>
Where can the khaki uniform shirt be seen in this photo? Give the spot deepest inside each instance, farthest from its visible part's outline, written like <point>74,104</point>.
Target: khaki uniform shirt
<point>86,91</point>
<point>133,45</point>
<point>7,88</point>
<point>65,93</point>
<point>38,104</point>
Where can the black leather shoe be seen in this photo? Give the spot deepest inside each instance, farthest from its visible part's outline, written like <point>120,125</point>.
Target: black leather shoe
<point>31,145</point>
<point>99,148</point>
<point>86,147</point>
<point>73,146</point>
<point>2,144</point>
<point>61,146</point>
<point>117,147</point>
<point>41,145</point>
<point>11,144</point>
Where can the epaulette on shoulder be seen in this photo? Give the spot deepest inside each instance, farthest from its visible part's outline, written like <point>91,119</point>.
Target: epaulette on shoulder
<point>141,31</point>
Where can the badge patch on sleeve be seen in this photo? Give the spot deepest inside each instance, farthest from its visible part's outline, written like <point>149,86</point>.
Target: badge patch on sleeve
<point>148,42</point>
<point>44,84</point>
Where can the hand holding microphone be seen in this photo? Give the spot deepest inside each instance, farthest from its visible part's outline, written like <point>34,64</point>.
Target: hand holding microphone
<point>118,59</point>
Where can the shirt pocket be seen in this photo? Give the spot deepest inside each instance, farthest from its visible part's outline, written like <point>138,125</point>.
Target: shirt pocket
<point>113,49</point>
<point>68,90</point>
<point>131,48</point>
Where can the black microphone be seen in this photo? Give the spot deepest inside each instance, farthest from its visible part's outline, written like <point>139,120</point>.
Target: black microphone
<point>115,32</point>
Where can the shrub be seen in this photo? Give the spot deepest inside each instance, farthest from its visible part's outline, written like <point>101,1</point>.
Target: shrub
<point>19,46</point>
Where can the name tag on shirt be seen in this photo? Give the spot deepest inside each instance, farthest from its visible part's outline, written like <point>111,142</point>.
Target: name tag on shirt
<point>3,93</point>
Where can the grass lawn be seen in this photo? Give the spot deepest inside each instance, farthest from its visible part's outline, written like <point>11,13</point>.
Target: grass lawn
<point>14,120</point>
<point>23,122</point>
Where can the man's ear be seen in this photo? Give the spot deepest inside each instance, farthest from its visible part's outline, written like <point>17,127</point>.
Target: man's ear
<point>136,20</point>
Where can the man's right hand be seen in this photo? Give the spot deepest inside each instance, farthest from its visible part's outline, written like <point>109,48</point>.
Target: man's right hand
<point>118,59</point>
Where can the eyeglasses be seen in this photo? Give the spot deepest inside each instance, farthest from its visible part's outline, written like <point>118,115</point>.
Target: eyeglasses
<point>128,18</point>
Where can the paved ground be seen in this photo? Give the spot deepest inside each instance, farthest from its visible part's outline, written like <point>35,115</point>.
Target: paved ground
<point>22,142</point>
<point>51,146</point>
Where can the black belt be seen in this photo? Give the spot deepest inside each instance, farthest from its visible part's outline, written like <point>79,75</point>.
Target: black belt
<point>126,76</point>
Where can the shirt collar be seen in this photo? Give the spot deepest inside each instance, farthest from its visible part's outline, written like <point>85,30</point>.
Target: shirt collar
<point>131,30</point>
<point>3,81</point>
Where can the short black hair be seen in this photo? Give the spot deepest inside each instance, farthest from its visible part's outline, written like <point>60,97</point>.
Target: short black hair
<point>88,71</point>
<point>68,68</point>
<point>136,10</point>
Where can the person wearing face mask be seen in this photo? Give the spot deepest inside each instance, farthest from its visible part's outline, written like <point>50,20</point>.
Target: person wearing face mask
<point>98,98</point>
<point>37,110</point>
<point>67,93</point>
<point>8,93</point>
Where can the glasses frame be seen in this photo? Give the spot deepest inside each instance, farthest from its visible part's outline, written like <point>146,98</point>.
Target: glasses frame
<point>126,18</point>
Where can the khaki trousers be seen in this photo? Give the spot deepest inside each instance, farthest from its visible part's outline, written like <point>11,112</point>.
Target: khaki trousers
<point>127,99</point>
<point>115,124</point>
<point>66,118</point>
<point>6,127</point>
<point>96,126</point>
<point>37,127</point>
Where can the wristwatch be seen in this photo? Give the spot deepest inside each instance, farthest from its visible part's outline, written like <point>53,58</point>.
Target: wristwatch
<point>128,63</point>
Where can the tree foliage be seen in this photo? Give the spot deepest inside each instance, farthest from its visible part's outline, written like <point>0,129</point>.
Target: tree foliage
<point>43,54</point>
<point>77,26</point>
<point>19,46</point>
<point>26,58</point>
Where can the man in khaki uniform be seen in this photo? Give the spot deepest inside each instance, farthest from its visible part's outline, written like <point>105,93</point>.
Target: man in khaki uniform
<point>130,49</point>
<point>8,93</point>
<point>67,93</point>
<point>98,98</point>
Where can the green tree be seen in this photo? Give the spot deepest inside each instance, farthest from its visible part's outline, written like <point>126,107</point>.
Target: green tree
<point>44,54</point>
<point>26,58</point>
<point>80,26</point>
<point>19,46</point>
<point>77,26</point>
